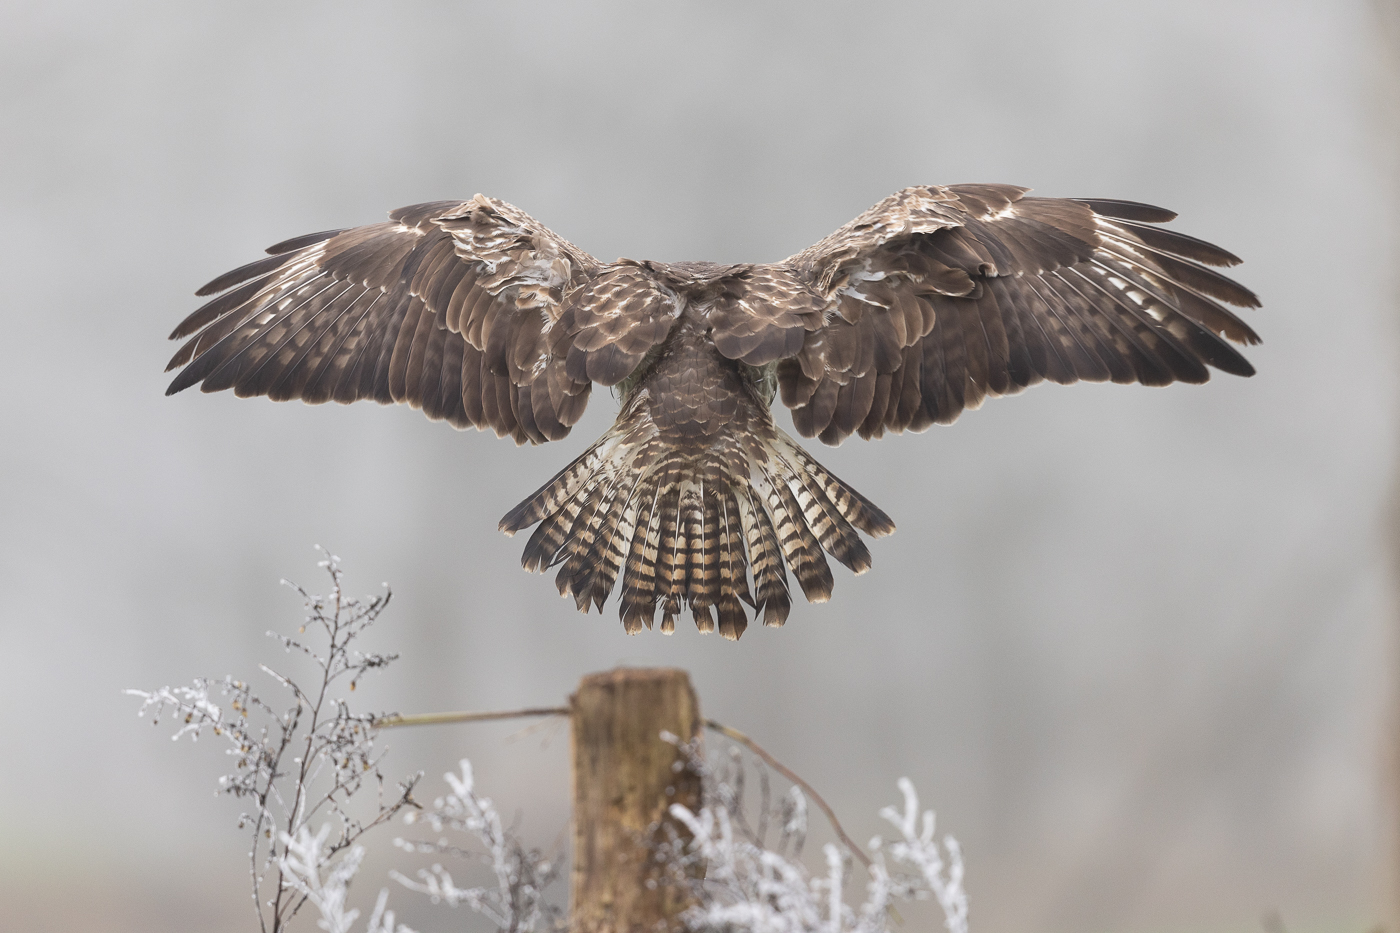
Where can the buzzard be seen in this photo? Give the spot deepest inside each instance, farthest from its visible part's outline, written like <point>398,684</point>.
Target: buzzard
<point>931,301</point>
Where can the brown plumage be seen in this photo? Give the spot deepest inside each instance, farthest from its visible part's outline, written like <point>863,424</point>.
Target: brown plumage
<point>931,301</point>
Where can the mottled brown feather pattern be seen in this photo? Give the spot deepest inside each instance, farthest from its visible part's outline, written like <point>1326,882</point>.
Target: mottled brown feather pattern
<point>922,307</point>
<point>388,312</point>
<point>1056,289</point>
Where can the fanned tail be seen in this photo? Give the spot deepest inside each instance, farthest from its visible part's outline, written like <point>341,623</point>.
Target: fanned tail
<point>688,529</point>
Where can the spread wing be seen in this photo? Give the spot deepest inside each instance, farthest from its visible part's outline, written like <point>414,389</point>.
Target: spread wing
<point>469,310</point>
<point>937,298</point>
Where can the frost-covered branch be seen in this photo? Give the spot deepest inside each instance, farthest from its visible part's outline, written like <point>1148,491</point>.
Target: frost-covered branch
<point>515,902</point>
<point>305,761</point>
<point>920,852</point>
<point>741,885</point>
<point>307,866</point>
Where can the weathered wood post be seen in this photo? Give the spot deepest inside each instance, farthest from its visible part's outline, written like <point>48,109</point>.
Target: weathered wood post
<point>623,784</point>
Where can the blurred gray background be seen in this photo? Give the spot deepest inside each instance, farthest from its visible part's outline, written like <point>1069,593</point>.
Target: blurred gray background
<point>1134,645</point>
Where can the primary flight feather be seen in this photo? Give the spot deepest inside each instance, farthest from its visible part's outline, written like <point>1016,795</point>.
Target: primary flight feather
<point>929,302</point>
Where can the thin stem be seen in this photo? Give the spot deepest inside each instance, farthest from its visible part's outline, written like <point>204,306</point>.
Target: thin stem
<point>295,818</point>
<point>437,719</point>
<point>265,817</point>
<point>778,766</point>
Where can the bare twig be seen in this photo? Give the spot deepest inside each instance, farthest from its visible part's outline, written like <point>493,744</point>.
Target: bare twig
<point>437,719</point>
<point>778,766</point>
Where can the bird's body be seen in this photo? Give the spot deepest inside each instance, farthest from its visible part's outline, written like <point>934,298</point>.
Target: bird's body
<point>929,302</point>
<point>678,491</point>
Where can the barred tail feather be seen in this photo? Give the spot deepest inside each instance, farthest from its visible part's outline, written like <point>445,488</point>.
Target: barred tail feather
<point>733,577</point>
<point>619,534</point>
<point>769,574</point>
<point>586,561</point>
<point>553,495</point>
<point>800,546</point>
<point>830,527</point>
<point>851,505</point>
<point>550,537</point>
<point>639,579</point>
<point>686,529</point>
<point>670,562</point>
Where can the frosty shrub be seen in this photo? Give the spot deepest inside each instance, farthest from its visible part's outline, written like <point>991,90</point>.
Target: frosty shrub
<point>742,886</point>
<point>739,884</point>
<point>300,762</point>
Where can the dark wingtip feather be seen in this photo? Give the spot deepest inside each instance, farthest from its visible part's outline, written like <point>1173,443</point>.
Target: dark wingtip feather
<point>1128,210</point>
<point>215,308</point>
<point>195,372</point>
<point>1207,281</point>
<point>181,331</point>
<point>182,356</point>
<point>1241,367</point>
<point>301,242</point>
<point>252,270</point>
<point>414,214</point>
<point>1182,244</point>
<point>1215,351</point>
<point>1215,317</point>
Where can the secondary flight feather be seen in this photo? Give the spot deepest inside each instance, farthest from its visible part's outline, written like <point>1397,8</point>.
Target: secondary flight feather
<point>925,305</point>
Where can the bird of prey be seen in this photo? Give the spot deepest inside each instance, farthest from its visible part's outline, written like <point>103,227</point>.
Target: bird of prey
<point>925,305</point>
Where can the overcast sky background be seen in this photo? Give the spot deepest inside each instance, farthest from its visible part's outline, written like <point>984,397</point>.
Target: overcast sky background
<point>1131,643</point>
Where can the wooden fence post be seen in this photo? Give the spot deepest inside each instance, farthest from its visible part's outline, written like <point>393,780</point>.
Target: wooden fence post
<point>624,783</point>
